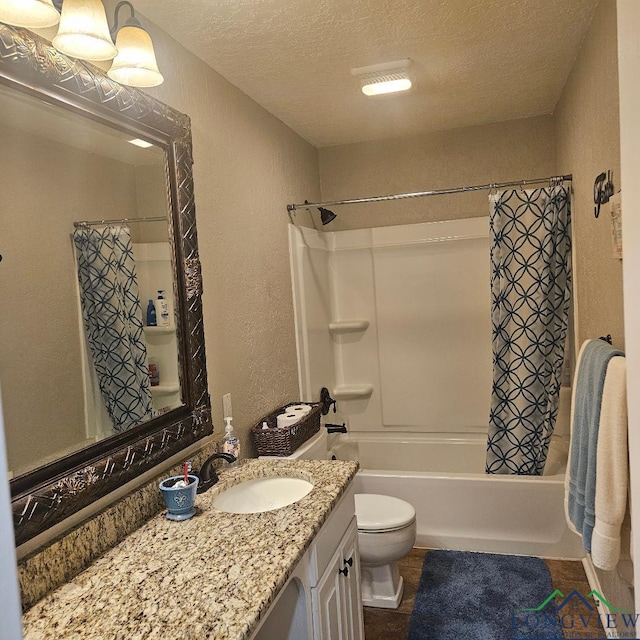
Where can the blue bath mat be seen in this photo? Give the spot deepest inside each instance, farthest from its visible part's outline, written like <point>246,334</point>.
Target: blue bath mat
<point>483,596</point>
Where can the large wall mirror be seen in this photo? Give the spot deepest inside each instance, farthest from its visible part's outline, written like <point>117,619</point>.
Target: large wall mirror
<point>102,360</point>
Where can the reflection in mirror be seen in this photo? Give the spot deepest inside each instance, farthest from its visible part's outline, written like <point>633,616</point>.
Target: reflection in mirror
<point>75,350</point>
<point>52,178</point>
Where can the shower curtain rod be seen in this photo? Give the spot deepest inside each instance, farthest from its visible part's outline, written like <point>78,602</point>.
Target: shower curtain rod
<point>91,223</point>
<point>553,181</point>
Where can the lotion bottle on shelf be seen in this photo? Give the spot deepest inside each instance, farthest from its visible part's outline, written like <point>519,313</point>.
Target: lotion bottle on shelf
<point>162,310</point>
<point>231,443</point>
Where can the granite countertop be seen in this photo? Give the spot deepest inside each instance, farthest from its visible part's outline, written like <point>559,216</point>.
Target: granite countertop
<point>213,576</point>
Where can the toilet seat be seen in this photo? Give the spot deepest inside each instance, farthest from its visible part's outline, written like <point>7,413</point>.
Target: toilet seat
<point>379,514</point>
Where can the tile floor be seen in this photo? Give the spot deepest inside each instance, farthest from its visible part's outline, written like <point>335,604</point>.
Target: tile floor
<point>393,624</point>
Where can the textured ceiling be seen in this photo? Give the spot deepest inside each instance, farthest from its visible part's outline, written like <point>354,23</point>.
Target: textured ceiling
<point>475,61</point>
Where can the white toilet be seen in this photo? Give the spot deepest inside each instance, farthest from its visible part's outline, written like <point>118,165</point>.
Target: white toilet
<point>386,533</point>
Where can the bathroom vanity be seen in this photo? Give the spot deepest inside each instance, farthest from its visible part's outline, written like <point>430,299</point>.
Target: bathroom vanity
<point>321,599</point>
<point>288,573</point>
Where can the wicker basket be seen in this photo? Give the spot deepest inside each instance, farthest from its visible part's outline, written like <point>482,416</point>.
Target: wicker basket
<point>283,441</point>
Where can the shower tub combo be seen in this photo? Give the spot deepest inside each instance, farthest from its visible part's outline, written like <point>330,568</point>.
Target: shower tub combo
<point>396,322</point>
<point>457,505</point>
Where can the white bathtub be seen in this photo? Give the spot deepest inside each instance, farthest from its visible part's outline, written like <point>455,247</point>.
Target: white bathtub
<point>457,505</point>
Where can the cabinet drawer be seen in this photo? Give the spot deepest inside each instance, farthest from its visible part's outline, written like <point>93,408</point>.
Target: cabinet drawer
<point>328,538</point>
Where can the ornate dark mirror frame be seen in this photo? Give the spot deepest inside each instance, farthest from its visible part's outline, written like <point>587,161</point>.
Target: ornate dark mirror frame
<point>51,493</point>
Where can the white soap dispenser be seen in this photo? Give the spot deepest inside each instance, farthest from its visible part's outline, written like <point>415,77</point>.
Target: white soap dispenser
<point>231,443</point>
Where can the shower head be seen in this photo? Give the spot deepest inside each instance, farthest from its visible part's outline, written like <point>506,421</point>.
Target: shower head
<point>326,216</point>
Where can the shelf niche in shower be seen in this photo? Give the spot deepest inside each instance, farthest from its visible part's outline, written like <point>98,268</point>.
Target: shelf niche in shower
<point>352,391</point>
<point>164,389</point>
<point>159,330</point>
<point>348,326</point>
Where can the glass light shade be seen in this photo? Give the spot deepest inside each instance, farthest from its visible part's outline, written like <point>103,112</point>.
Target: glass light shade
<point>84,31</point>
<point>31,14</point>
<point>135,65</point>
<point>378,88</point>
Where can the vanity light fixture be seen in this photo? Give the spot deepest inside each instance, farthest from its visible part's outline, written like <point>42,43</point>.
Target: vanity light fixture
<point>84,33</point>
<point>32,14</point>
<point>135,63</point>
<point>380,79</point>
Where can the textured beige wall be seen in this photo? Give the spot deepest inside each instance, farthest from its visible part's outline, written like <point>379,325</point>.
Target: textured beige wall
<point>45,186</point>
<point>151,195</point>
<point>587,143</point>
<point>628,18</point>
<point>476,155</point>
<point>247,166</point>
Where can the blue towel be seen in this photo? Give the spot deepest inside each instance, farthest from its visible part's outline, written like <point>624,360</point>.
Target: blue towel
<point>584,436</point>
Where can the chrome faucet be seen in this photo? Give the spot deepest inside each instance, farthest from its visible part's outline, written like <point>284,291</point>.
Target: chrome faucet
<point>207,476</point>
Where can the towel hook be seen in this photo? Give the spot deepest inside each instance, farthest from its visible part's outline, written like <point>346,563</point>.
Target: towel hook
<point>602,191</point>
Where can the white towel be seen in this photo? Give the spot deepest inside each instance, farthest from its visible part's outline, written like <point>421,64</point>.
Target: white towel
<point>612,468</point>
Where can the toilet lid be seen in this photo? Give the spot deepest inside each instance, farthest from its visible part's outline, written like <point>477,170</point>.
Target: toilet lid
<point>380,513</point>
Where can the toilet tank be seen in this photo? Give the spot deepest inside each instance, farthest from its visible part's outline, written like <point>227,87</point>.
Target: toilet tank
<point>314,448</point>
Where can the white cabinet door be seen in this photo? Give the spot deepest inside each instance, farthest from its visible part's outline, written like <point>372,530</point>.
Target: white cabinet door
<point>337,601</point>
<point>351,584</point>
<point>328,606</point>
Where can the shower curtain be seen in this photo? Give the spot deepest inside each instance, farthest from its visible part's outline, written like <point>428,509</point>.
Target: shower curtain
<point>113,322</point>
<point>530,297</point>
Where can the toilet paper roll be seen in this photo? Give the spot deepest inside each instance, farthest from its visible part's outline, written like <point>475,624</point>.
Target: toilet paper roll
<point>302,409</point>
<point>286,419</point>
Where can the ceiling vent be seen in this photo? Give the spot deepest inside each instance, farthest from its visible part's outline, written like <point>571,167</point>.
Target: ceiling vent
<point>385,78</point>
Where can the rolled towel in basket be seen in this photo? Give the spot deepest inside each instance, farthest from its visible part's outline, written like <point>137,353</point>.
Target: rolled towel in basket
<point>288,418</point>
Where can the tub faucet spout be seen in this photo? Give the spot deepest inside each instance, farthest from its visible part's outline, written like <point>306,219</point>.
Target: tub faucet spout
<point>207,476</point>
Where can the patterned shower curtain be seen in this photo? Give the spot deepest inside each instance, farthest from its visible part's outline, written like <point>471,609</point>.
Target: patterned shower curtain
<point>530,297</point>
<point>113,322</point>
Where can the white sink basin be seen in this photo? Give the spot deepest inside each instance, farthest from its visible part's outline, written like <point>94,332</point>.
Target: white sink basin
<point>262,494</point>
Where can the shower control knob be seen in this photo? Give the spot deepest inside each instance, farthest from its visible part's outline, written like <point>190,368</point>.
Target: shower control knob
<point>326,401</point>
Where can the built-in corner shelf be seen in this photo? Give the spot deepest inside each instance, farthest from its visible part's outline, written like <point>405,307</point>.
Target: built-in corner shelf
<point>348,326</point>
<point>159,330</point>
<point>352,391</point>
<point>164,389</point>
